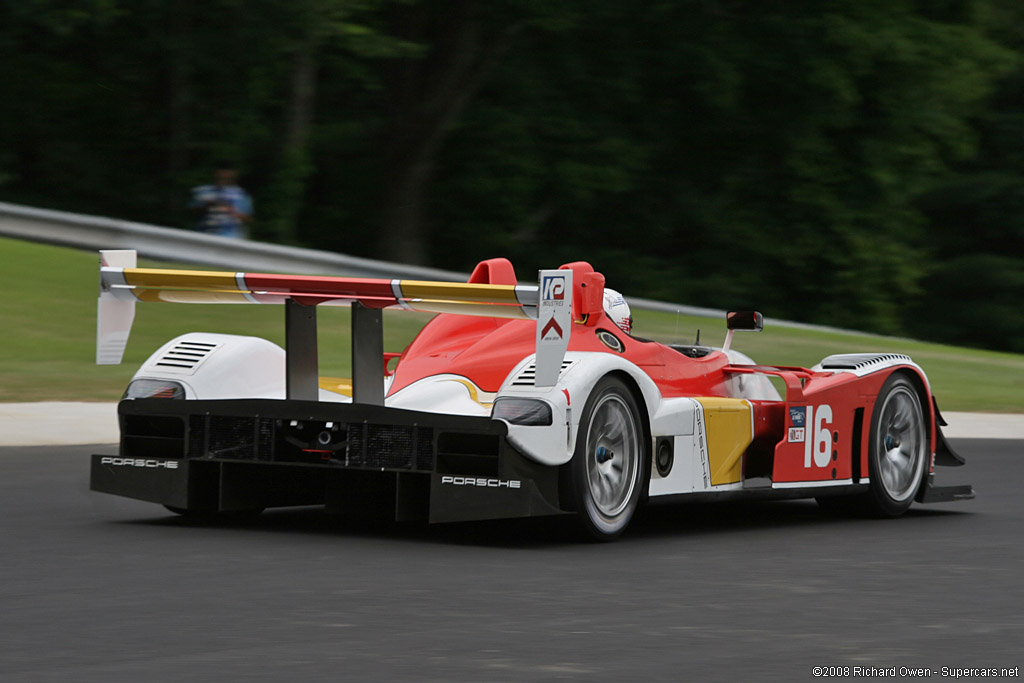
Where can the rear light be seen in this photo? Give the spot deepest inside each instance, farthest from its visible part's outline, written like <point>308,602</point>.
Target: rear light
<point>522,411</point>
<point>154,388</point>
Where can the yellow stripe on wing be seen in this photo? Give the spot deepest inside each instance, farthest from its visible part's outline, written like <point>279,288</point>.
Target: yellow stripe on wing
<point>180,279</point>
<point>200,286</point>
<point>458,291</point>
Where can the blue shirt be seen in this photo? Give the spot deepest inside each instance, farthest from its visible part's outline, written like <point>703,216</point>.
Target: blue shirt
<point>214,200</point>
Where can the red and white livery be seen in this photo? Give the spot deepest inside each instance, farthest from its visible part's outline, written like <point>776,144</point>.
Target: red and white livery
<point>515,400</point>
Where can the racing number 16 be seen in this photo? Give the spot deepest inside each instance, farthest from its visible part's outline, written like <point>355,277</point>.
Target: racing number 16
<point>819,439</point>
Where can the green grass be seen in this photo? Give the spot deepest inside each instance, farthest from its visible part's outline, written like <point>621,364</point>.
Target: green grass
<point>962,379</point>
<point>48,310</point>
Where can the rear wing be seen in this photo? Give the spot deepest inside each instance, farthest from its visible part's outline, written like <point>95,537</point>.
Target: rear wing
<point>122,285</point>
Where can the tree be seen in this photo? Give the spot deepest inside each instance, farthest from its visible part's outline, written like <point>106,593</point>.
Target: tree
<point>836,163</point>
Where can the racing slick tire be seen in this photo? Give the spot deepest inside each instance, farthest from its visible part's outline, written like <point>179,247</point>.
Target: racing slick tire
<point>898,448</point>
<point>897,454</point>
<point>607,468</point>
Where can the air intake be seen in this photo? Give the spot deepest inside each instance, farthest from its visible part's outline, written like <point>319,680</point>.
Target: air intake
<point>863,361</point>
<point>186,355</point>
<point>528,375</point>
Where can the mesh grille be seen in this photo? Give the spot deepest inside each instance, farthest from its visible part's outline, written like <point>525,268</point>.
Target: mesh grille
<point>196,436</point>
<point>371,446</point>
<point>390,446</point>
<point>232,438</point>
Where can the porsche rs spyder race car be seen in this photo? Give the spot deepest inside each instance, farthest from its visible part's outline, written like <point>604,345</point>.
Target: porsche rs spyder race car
<point>514,400</point>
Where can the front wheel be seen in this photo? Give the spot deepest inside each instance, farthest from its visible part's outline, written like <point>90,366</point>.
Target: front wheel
<point>897,454</point>
<point>898,449</point>
<point>607,468</point>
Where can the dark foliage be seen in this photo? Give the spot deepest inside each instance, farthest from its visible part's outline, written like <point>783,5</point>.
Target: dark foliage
<point>849,163</point>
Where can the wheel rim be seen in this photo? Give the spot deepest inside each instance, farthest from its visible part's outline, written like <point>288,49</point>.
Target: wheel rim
<point>612,456</point>
<point>900,443</point>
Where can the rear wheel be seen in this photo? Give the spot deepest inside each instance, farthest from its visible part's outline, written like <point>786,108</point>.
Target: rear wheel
<point>607,469</point>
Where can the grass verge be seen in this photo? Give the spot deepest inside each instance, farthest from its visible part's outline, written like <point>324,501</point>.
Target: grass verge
<point>48,307</point>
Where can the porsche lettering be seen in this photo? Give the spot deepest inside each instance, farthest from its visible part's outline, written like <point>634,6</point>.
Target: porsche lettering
<point>140,462</point>
<point>479,481</point>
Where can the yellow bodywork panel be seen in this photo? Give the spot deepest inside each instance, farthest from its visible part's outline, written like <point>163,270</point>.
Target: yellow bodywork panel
<point>729,429</point>
<point>338,385</point>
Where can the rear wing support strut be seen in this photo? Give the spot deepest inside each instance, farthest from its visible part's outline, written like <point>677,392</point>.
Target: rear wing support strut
<point>302,367</point>
<point>302,360</point>
<point>367,355</point>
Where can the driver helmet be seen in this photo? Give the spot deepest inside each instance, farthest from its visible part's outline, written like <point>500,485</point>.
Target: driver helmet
<point>618,310</point>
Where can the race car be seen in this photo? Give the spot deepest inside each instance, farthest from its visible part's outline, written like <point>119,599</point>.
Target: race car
<point>514,400</point>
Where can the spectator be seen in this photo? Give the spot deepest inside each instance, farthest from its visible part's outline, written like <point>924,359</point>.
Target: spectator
<point>223,208</point>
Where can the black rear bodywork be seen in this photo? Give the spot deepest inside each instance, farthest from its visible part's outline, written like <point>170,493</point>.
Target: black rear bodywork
<point>249,454</point>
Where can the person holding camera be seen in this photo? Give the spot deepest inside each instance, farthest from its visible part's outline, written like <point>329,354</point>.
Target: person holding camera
<point>223,208</point>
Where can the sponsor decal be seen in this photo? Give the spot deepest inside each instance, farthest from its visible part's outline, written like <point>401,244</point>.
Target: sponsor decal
<point>797,416</point>
<point>140,462</point>
<point>701,444</point>
<point>796,434</point>
<point>482,482</point>
<point>611,341</point>
<point>552,325</point>
<point>552,289</point>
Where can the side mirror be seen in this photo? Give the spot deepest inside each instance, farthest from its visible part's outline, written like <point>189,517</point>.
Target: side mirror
<point>744,320</point>
<point>741,320</point>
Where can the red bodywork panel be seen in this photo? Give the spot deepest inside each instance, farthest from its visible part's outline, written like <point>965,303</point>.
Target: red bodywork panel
<point>834,412</point>
<point>818,433</point>
<point>485,350</point>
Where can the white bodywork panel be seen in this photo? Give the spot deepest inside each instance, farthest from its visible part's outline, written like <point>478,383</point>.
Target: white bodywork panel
<point>581,371</point>
<point>223,366</point>
<point>448,394</point>
<point>220,366</point>
<point>684,420</point>
<point>690,472</point>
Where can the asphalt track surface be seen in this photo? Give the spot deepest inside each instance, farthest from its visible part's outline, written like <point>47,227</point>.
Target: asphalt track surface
<point>98,588</point>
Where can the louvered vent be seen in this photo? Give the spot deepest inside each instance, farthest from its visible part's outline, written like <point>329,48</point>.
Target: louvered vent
<point>185,355</point>
<point>527,376</point>
<point>862,361</point>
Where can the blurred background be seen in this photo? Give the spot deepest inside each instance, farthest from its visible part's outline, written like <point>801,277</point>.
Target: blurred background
<point>852,163</point>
